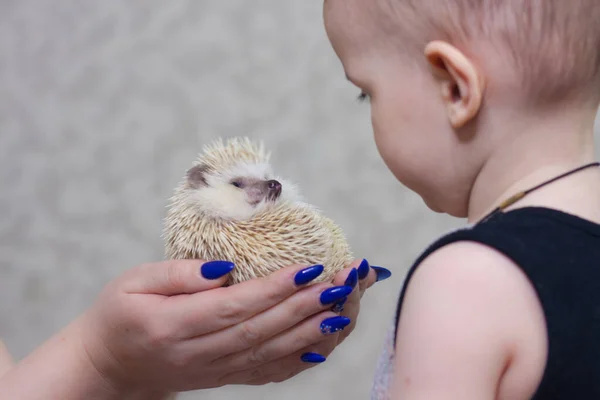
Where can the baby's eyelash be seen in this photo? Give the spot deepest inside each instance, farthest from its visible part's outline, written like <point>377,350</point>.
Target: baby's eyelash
<point>363,97</point>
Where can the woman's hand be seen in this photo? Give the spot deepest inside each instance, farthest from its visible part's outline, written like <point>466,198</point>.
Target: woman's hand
<point>326,334</point>
<point>334,330</point>
<point>171,326</point>
<point>166,327</point>
<point>366,276</point>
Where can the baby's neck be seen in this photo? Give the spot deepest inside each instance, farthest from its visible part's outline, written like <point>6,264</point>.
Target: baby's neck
<point>530,151</point>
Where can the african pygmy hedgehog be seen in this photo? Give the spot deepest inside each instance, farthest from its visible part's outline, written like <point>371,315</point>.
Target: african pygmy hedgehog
<point>230,206</point>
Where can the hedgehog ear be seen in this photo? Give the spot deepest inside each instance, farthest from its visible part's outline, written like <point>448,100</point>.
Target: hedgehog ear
<point>196,176</point>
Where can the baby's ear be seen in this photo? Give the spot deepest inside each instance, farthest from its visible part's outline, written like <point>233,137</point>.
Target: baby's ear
<point>196,176</point>
<point>461,83</point>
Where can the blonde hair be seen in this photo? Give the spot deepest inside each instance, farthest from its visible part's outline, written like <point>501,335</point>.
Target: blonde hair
<point>553,45</point>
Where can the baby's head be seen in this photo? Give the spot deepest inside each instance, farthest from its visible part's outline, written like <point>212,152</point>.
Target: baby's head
<point>449,81</point>
<point>233,181</point>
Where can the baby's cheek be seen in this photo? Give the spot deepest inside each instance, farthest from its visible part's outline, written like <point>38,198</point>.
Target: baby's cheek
<point>390,136</point>
<point>382,127</point>
<point>401,151</point>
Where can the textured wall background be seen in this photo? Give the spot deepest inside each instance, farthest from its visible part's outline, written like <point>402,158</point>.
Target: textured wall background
<point>103,105</point>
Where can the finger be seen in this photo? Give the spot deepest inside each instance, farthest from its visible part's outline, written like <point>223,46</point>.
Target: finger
<point>351,311</point>
<point>370,275</point>
<point>366,276</point>
<point>349,277</point>
<point>284,368</point>
<point>309,333</point>
<point>227,306</point>
<point>266,325</point>
<point>274,372</point>
<point>281,377</point>
<point>351,307</point>
<point>174,277</point>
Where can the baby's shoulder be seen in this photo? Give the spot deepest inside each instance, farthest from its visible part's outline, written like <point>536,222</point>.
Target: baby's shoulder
<point>470,308</point>
<point>471,270</point>
<point>466,281</point>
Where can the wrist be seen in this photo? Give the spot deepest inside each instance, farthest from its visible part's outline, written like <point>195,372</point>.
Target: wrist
<point>61,369</point>
<point>94,360</point>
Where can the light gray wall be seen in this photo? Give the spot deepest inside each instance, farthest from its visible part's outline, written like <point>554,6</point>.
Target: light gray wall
<point>103,105</point>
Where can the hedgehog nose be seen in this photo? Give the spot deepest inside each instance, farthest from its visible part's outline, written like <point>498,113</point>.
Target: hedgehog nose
<point>274,185</point>
<point>274,190</point>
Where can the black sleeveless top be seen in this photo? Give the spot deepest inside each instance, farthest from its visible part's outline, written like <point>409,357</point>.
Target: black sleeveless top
<point>560,254</point>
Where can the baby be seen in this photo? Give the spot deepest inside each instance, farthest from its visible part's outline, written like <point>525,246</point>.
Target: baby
<point>486,110</point>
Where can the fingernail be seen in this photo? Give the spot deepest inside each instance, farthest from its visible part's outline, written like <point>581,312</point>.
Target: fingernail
<point>339,306</point>
<point>333,325</point>
<point>312,358</point>
<point>216,269</point>
<point>335,294</point>
<point>363,269</point>
<point>352,278</point>
<point>308,274</point>
<point>382,273</point>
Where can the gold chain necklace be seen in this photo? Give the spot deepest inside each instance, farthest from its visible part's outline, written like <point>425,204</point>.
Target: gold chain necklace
<point>518,196</point>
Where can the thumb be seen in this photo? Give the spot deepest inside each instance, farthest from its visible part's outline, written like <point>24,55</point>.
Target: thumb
<point>173,277</point>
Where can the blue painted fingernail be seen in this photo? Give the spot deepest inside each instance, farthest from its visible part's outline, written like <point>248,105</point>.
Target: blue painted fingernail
<point>363,269</point>
<point>333,325</point>
<point>335,294</point>
<point>216,269</point>
<point>382,273</point>
<point>308,274</point>
<point>312,358</point>
<point>352,278</point>
<point>339,306</point>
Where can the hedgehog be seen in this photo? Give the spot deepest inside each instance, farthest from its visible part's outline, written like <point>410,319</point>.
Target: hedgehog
<point>230,206</point>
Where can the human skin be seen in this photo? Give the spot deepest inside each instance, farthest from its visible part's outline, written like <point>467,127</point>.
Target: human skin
<point>6,361</point>
<point>464,150</point>
<point>162,328</point>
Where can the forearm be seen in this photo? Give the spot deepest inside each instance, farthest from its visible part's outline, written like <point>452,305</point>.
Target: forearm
<point>61,370</point>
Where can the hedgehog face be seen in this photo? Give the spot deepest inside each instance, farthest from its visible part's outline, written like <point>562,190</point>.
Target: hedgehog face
<point>235,194</point>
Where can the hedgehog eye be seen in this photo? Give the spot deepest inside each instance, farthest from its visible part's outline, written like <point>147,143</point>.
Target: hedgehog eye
<point>237,184</point>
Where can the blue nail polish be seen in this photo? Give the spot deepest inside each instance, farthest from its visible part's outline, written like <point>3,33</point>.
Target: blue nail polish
<point>363,269</point>
<point>333,325</point>
<point>352,278</point>
<point>216,269</point>
<point>382,273</point>
<point>312,358</point>
<point>308,274</point>
<point>335,294</point>
<point>339,306</point>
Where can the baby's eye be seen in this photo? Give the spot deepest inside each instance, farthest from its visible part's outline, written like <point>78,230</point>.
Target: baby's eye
<point>363,97</point>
